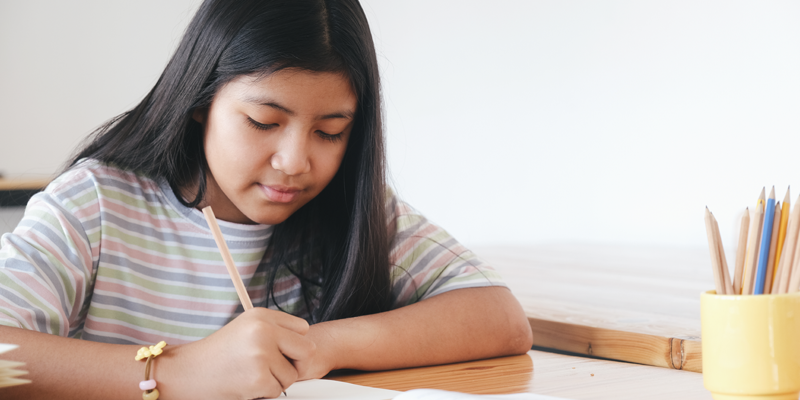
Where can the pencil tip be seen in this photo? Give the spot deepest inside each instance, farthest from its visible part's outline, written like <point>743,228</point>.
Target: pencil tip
<point>786,198</point>
<point>772,193</point>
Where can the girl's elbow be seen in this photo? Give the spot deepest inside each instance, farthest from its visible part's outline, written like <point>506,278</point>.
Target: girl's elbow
<point>519,336</point>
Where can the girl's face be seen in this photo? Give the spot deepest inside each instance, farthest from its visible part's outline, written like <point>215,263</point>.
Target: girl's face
<point>273,143</point>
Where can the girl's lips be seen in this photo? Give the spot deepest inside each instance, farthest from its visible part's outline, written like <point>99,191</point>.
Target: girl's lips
<point>280,194</point>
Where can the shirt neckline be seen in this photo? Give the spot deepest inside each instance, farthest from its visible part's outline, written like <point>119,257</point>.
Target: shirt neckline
<point>230,230</point>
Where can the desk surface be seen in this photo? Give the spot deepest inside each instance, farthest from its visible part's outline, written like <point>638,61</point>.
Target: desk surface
<point>24,183</point>
<point>631,303</point>
<point>544,373</point>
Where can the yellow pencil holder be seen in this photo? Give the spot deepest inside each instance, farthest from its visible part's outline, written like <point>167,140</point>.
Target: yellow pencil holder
<point>751,346</point>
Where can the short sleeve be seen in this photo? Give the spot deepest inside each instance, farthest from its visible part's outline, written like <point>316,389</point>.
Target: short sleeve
<point>46,263</point>
<point>426,260</point>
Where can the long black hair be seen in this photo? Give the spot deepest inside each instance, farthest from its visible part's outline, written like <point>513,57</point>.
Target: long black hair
<point>338,243</point>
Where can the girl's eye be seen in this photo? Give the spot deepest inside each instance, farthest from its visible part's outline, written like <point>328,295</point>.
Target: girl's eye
<point>331,138</point>
<point>260,126</point>
<point>324,135</point>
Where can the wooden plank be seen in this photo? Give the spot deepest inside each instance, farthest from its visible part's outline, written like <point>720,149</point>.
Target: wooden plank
<point>639,348</point>
<point>630,303</point>
<point>17,192</point>
<point>24,183</point>
<point>542,373</point>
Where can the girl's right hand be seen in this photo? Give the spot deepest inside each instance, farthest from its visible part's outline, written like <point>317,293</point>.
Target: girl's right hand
<point>248,358</point>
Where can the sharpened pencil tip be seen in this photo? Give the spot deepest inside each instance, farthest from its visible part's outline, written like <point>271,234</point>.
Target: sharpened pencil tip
<point>786,198</point>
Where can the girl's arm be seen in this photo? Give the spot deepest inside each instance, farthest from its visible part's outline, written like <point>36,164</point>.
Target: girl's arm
<point>246,359</point>
<point>459,325</point>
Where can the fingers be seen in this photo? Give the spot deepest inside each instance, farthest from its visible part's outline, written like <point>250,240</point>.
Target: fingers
<point>280,318</point>
<point>284,372</point>
<point>296,346</point>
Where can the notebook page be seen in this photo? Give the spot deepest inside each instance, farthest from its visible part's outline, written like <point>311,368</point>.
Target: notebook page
<point>431,394</point>
<point>325,389</point>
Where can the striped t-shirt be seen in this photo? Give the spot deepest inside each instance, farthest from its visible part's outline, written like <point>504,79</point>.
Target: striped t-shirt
<point>112,256</point>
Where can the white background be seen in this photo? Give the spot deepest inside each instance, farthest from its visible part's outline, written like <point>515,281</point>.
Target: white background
<point>510,122</point>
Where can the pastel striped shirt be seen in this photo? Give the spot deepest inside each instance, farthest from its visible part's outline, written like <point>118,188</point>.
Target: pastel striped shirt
<point>108,255</point>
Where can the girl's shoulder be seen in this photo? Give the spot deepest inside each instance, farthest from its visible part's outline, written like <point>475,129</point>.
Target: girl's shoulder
<point>400,214</point>
<point>89,180</point>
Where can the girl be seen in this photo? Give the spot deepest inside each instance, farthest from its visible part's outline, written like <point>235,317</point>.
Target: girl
<point>269,112</point>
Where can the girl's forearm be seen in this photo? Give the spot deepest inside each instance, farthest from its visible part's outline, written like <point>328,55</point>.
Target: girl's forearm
<point>248,358</point>
<point>459,325</point>
<point>63,368</point>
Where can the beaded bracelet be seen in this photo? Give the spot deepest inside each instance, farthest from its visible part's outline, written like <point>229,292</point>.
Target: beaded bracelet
<point>149,385</point>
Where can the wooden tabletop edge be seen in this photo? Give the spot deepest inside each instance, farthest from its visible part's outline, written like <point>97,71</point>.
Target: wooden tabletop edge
<point>648,349</point>
<point>24,183</point>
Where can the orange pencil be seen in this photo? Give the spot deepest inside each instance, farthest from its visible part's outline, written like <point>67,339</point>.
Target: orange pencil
<point>776,272</point>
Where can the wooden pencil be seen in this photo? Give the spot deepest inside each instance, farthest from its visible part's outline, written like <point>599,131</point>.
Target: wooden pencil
<point>766,239</point>
<point>725,275</point>
<point>794,274</point>
<point>740,252</point>
<point>785,209</point>
<point>716,263</point>
<point>753,242</point>
<point>226,256</point>
<point>787,257</point>
<point>773,245</point>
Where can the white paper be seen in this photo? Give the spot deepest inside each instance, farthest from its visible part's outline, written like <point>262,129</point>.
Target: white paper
<point>326,389</point>
<point>431,394</point>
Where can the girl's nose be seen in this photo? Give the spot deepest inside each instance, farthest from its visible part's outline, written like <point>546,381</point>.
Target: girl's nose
<point>292,154</point>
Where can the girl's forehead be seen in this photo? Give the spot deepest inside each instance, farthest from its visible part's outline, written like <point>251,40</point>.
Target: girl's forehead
<point>294,78</point>
<point>293,88</point>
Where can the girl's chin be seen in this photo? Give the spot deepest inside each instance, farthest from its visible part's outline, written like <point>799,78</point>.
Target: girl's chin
<point>269,216</point>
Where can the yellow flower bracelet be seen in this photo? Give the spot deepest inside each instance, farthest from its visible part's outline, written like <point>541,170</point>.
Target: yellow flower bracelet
<point>149,385</point>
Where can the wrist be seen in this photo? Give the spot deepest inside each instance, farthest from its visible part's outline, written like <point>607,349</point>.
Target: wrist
<point>170,373</point>
<point>328,347</point>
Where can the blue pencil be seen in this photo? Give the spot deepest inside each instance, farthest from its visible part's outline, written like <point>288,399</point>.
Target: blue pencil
<point>766,237</point>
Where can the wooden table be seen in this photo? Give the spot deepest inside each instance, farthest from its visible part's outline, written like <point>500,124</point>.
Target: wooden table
<point>16,192</point>
<point>632,303</point>
<point>543,373</point>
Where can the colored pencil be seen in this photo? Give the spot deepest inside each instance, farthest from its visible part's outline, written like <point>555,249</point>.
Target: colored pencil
<point>794,274</point>
<point>726,278</point>
<point>766,240</point>
<point>716,263</point>
<point>787,256</point>
<point>785,207</point>
<point>776,224</point>
<point>753,242</point>
<point>228,259</point>
<point>740,252</point>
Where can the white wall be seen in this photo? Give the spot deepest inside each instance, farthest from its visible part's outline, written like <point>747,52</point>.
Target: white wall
<point>527,121</point>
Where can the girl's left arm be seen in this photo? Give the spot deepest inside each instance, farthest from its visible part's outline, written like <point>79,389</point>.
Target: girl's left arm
<point>459,325</point>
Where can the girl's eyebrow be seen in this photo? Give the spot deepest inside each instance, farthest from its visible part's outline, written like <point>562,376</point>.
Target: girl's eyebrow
<point>262,102</point>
